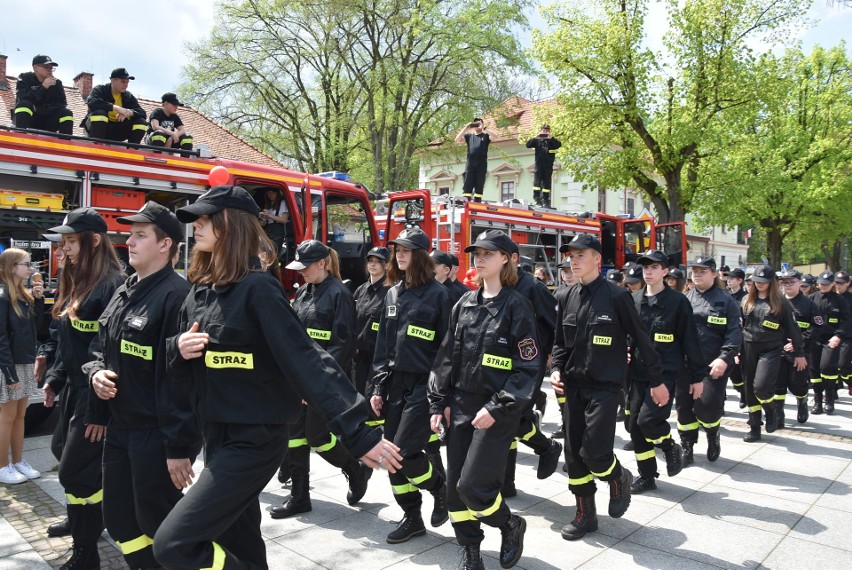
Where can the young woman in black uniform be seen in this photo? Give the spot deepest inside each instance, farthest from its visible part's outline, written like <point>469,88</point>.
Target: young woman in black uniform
<point>767,324</point>
<point>91,275</point>
<point>326,309</point>
<point>415,320</point>
<point>252,364</point>
<point>369,306</point>
<point>484,377</point>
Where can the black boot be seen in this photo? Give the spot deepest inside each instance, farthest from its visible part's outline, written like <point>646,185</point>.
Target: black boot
<point>61,528</point>
<point>752,435</point>
<point>585,521</point>
<point>688,458</point>
<point>512,545</point>
<point>509,489</point>
<point>440,513</point>
<point>471,558</point>
<point>619,493</point>
<point>643,484</point>
<point>559,433</point>
<point>284,471</point>
<point>83,558</point>
<point>674,459</point>
<point>541,402</point>
<point>86,523</point>
<point>742,399</point>
<point>802,413</point>
<point>549,459</point>
<point>779,414</point>
<point>358,475</point>
<point>771,416</point>
<point>410,526</point>
<point>817,409</point>
<point>829,400</point>
<point>629,446</point>
<point>298,502</point>
<point>714,444</point>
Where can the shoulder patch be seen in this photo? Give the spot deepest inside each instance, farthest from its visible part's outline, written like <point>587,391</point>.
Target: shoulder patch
<point>528,349</point>
<point>818,320</point>
<point>391,310</point>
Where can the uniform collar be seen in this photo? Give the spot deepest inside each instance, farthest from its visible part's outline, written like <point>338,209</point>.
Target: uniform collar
<point>658,300</point>
<point>135,288</point>
<point>593,286</point>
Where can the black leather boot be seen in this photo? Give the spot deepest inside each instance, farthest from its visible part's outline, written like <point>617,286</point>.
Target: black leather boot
<point>779,414</point>
<point>410,526</point>
<point>714,444</point>
<point>471,558</point>
<point>585,521</point>
<point>548,460</point>
<point>643,484</point>
<point>674,459</point>
<point>817,409</point>
<point>830,396</point>
<point>512,545</point>
<point>298,502</point>
<point>83,558</point>
<point>688,458</point>
<point>771,416</point>
<point>61,528</point>
<point>619,493</point>
<point>802,413</point>
<point>440,514</point>
<point>358,475</point>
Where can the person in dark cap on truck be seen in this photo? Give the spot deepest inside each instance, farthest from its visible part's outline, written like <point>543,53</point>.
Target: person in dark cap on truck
<point>165,126</point>
<point>114,113</point>
<point>40,101</point>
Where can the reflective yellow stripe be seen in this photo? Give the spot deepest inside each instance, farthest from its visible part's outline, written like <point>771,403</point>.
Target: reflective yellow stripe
<point>660,337</point>
<point>816,380</point>
<point>536,188</point>
<point>318,334</point>
<point>754,408</point>
<point>294,443</point>
<point>770,325</point>
<point>403,489</point>
<point>66,119</point>
<point>215,359</point>
<point>218,558</point>
<point>98,118</point>
<point>138,127</point>
<point>830,376</point>
<point>492,509</point>
<point>375,326</point>
<point>608,471</point>
<point>660,440</point>
<point>422,478</point>
<point>85,326</point>
<point>135,545</point>
<point>781,397</point>
<point>711,424</point>
<point>529,434</point>
<point>26,110</point>
<point>803,324</point>
<point>645,455</point>
<point>581,480</point>
<point>419,332</point>
<point>602,340</point>
<point>514,444</point>
<point>626,412</point>
<point>374,423</point>
<point>687,427</point>
<point>545,189</point>
<point>92,500</point>
<point>186,140</point>
<point>833,321</point>
<point>498,362</point>
<point>717,320</point>
<point>158,138</point>
<point>327,446</point>
<point>737,384</point>
<point>771,399</point>
<point>461,516</point>
<point>434,437</point>
<point>137,350</point>
<point>560,399</point>
<point>800,397</point>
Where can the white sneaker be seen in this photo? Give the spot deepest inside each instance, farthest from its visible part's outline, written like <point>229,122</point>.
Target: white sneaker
<point>26,469</point>
<point>10,476</point>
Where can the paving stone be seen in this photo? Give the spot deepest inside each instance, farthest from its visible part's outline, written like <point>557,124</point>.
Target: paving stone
<point>628,555</point>
<point>829,527</point>
<point>794,554</point>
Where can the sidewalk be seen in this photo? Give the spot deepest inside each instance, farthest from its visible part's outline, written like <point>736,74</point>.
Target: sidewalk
<point>783,503</point>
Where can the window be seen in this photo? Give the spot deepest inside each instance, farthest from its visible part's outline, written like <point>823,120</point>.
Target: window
<point>507,190</point>
<point>722,261</point>
<point>601,200</point>
<point>443,191</point>
<point>631,206</point>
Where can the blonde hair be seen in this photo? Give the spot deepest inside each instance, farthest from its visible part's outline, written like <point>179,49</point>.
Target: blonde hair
<point>508,273</point>
<point>8,260</point>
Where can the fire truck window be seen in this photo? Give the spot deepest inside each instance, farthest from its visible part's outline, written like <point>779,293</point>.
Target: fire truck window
<point>349,235</point>
<point>635,239</point>
<point>414,211</point>
<point>608,243</point>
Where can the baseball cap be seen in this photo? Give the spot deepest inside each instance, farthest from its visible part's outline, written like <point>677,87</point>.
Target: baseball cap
<point>380,252</point>
<point>825,278</point>
<point>565,264</point>
<point>615,276</point>
<point>676,272</point>
<point>724,269</point>
<point>493,240</point>
<point>44,60</point>
<point>789,273</point>
<point>808,279</point>
<point>841,277</point>
<point>653,256</point>
<point>120,73</point>
<point>162,217</point>
<point>455,260</point>
<point>81,220</point>
<point>582,241</point>
<point>763,274</point>
<point>704,261</point>
<point>737,273</point>
<point>442,257</point>
<point>634,274</point>
<point>216,199</point>
<point>170,98</point>
<point>412,238</point>
<point>308,252</point>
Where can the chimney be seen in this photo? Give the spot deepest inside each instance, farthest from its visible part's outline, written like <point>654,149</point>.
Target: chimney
<point>83,82</point>
<point>4,85</point>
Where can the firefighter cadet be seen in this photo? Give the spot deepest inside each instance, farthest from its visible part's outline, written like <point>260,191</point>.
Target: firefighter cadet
<point>545,145</point>
<point>114,113</point>
<point>825,366</point>
<point>166,129</point>
<point>589,367</point>
<point>40,99</point>
<point>152,437</point>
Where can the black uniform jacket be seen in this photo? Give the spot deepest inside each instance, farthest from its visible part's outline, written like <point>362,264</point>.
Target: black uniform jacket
<point>100,99</point>
<point>808,319</point>
<point>260,363</point>
<point>668,318</point>
<point>491,349</point>
<point>591,350</point>
<point>544,306</point>
<point>369,305</point>
<point>760,325</point>
<point>838,320</point>
<point>17,333</point>
<point>455,290</point>
<point>718,318</point>
<point>327,311</point>
<point>30,90</point>
<point>139,319</point>
<point>412,328</point>
<point>545,151</point>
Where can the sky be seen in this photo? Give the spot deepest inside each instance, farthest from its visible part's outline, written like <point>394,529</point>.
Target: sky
<point>85,35</point>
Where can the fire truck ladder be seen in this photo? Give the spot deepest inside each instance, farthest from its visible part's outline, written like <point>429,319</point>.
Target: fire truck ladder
<point>448,223</point>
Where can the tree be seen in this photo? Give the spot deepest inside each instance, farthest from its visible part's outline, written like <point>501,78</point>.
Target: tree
<point>628,115</point>
<point>787,168</point>
<point>357,85</point>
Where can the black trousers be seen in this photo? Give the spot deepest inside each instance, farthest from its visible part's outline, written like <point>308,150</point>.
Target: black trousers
<point>56,121</point>
<point>845,362</point>
<point>649,426</point>
<point>791,379</point>
<point>761,363</point>
<point>589,417</point>
<point>362,367</point>
<point>407,426</point>
<point>132,130</point>
<point>474,181</point>
<point>825,369</point>
<point>311,432</point>
<point>217,523</point>
<point>476,464</point>
<point>138,492</point>
<point>541,185</point>
<point>80,468</point>
<point>159,138</point>
<point>704,412</point>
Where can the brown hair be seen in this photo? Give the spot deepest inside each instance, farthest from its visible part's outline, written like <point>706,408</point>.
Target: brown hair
<point>161,235</point>
<point>8,260</point>
<point>239,236</point>
<point>420,270</point>
<point>508,273</point>
<point>773,295</point>
<point>78,280</point>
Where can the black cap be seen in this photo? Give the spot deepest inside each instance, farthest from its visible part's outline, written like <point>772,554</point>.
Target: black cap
<point>216,199</point>
<point>412,238</point>
<point>653,256</point>
<point>44,60</point>
<point>808,279</point>
<point>455,260</point>
<point>615,276</point>
<point>442,257</point>
<point>825,278</point>
<point>737,273</point>
<point>565,263</point>
<point>170,98</point>
<point>154,213</point>
<point>841,277</point>
<point>380,252</point>
<point>634,274</point>
<point>308,252</point>
<point>582,241</point>
<point>120,73</point>
<point>493,240</point>
<point>81,220</point>
<point>724,269</point>
<point>763,274</point>
<point>704,261</point>
<point>526,263</point>
<point>676,272</point>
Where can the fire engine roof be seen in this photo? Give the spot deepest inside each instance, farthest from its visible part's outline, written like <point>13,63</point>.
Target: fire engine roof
<point>221,142</point>
<point>513,118</point>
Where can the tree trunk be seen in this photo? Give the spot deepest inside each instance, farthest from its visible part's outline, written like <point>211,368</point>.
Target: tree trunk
<point>774,240</point>
<point>831,252</point>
